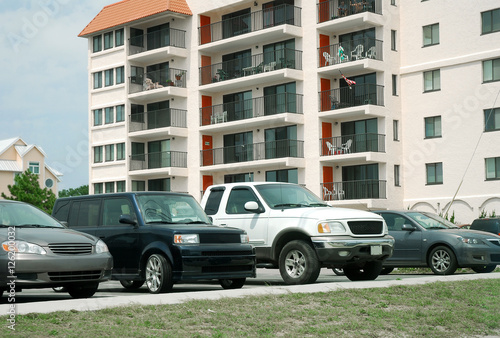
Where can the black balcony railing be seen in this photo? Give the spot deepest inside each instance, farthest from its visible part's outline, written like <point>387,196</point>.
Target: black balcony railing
<point>157,79</point>
<point>255,64</point>
<point>334,9</point>
<point>251,22</point>
<point>349,144</point>
<point>354,190</point>
<point>256,107</point>
<point>161,118</point>
<point>164,159</point>
<point>253,152</point>
<point>354,50</point>
<point>163,38</point>
<point>356,95</point>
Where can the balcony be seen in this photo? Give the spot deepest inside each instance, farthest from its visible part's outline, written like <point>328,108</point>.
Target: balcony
<point>153,47</point>
<point>339,15</point>
<point>164,159</point>
<point>253,152</point>
<point>354,190</point>
<point>271,23</point>
<point>268,105</point>
<point>159,84</point>
<point>354,50</point>
<point>351,144</point>
<point>153,123</point>
<point>356,95</point>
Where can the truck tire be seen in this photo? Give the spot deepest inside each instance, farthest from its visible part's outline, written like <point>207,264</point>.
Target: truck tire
<point>298,263</point>
<point>236,283</point>
<point>132,284</point>
<point>82,290</point>
<point>369,271</point>
<point>158,274</point>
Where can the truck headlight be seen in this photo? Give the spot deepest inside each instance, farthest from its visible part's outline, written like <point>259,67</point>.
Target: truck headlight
<point>23,247</point>
<point>187,239</point>
<point>101,247</point>
<point>331,228</point>
<point>244,238</point>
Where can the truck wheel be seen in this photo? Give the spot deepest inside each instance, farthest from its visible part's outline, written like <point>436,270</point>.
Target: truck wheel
<point>232,283</point>
<point>132,284</point>
<point>298,263</point>
<point>484,268</point>
<point>369,271</point>
<point>338,271</point>
<point>158,274</point>
<point>442,261</point>
<point>82,290</point>
<point>386,271</point>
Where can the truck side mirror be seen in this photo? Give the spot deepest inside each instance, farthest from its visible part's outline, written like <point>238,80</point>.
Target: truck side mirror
<point>127,219</point>
<point>253,206</point>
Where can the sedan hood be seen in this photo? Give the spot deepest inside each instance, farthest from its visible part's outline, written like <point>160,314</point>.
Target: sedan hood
<point>44,236</point>
<point>325,213</point>
<point>472,233</point>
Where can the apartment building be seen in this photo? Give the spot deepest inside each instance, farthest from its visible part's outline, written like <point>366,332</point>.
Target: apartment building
<point>353,99</point>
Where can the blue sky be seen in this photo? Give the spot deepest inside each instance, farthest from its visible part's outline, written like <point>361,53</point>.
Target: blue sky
<point>44,92</point>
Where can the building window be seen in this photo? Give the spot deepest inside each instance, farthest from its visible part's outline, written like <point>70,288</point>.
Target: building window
<point>120,113</point>
<point>120,151</point>
<point>97,188</point>
<point>394,85</point>
<point>108,77</point>
<point>136,75</point>
<point>98,154</point>
<point>97,80</point>
<point>120,186</point>
<point>235,178</point>
<point>34,167</point>
<point>396,175</point>
<point>432,80</point>
<point>97,43</point>
<point>161,184</point>
<point>434,173</point>
<point>108,115</point>
<point>109,187</point>
<point>393,2</point>
<point>393,40</point>
<point>492,119</point>
<point>431,34</point>
<point>49,183</point>
<point>120,77</point>
<point>119,37</point>
<point>108,40</point>
<point>491,70</point>
<point>492,168</point>
<point>490,21</point>
<point>110,152</point>
<point>432,127</point>
<point>97,117</point>
<point>138,186</point>
<point>395,130</point>
<point>285,175</point>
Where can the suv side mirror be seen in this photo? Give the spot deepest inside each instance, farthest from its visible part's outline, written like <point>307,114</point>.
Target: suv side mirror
<point>253,206</point>
<point>127,219</point>
<point>408,227</point>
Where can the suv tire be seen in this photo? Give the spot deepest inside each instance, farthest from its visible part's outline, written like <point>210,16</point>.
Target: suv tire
<point>158,274</point>
<point>82,290</point>
<point>132,284</point>
<point>298,263</point>
<point>484,268</point>
<point>232,283</point>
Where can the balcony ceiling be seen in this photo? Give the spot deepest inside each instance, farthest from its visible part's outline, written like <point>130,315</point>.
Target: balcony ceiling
<point>356,22</point>
<point>158,173</point>
<point>356,112</point>
<point>354,159</point>
<point>262,121</point>
<point>144,135</point>
<point>165,93</point>
<point>159,55</point>
<point>271,164</point>
<point>352,67</point>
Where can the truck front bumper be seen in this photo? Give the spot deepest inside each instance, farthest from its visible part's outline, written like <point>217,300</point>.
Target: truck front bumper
<point>340,251</point>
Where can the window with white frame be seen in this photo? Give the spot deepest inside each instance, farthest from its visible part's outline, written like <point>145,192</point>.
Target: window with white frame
<point>492,119</point>
<point>109,187</point>
<point>120,113</point>
<point>120,75</point>
<point>108,77</point>
<point>109,115</point>
<point>97,117</point>
<point>34,167</point>
<point>97,80</point>
<point>491,70</point>
<point>490,21</point>
<point>97,43</point>
<point>394,85</point>
<point>119,37</point>
<point>397,183</point>
<point>98,188</point>
<point>109,151</point>
<point>395,130</point>
<point>108,40</point>
<point>393,40</point>
<point>120,186</point>
<point>98,154</point>
<point>432,80</point>
<point>432,126</point>
<point>120,151</point>
<point>492,166</point>
<point>431,34</point>
<point>434,173</point>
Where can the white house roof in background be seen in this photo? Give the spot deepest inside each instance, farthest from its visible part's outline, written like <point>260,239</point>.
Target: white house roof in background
<point>7,165</point>
<point>6,144</point>
<point>54,172</point>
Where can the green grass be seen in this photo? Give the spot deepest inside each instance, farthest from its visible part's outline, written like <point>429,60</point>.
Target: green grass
<point>451,309</point>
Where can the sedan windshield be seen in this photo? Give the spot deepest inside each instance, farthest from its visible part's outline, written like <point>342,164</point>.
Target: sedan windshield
<point>279,196</point>
<point>25,215</point>
<point>431,221</point>
<point>176,209</point>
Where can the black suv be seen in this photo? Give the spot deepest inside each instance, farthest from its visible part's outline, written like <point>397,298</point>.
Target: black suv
<point>160,238</point>
<point>487,224</point>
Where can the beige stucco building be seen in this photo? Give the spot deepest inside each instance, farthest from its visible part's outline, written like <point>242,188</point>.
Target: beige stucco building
<point>185,93</point>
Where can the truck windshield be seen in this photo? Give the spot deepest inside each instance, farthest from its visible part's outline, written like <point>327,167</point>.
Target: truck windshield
<point>279,196</point>
<point>178,209</point>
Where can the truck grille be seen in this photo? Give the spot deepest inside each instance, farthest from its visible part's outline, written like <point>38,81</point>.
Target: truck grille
<point>74,275</point>
<point>366,227</point>
<point>219,238</point>
<point>71,248</point>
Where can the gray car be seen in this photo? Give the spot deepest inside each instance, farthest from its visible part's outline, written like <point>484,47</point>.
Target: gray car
<point>427,240</point>
<point>39,252</point>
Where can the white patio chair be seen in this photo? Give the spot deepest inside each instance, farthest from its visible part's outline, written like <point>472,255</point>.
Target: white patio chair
<point>371,53</point>
<point>331,148</point>
<point>346,147</point>
<point>329,60</point>
<point>327,194</point>
<point>270,66</point>
<point>357,53</point>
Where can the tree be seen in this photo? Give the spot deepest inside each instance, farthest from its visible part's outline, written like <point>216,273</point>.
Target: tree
<point>80,191</point>
<point>27,189</point>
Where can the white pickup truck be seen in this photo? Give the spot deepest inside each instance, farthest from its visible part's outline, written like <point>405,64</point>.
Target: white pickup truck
<point>294,230</point>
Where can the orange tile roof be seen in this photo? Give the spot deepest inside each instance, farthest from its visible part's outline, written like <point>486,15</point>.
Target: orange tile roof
<point>130,10</point>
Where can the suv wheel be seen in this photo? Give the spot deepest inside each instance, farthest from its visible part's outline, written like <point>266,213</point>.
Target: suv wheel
<point>132,284</point>
<point>298,263</point>
<point>158,274</point>
<point>338,271</point>
<point>484,268</point>
<point>442,261</point>
<point>369,271</point>
<point>82,290</point>
<point>232,283</point>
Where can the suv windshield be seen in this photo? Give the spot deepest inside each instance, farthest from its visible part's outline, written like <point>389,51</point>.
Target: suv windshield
<point>431,221</point>
<point>25,215</point>
<point>182,209</point>
<point>279,196</point>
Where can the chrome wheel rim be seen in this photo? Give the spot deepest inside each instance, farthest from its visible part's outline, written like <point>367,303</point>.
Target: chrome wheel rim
<point>153,274</point>
<point>295,263</point>
<point>441,260</point>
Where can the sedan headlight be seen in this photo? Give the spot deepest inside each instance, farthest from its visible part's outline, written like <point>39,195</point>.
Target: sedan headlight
<point>187,239</point>
<point>468,240</point>
<point>331,228</point>
<point>101,247</point>
<point>23,247</point>
<point>244,239</point>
